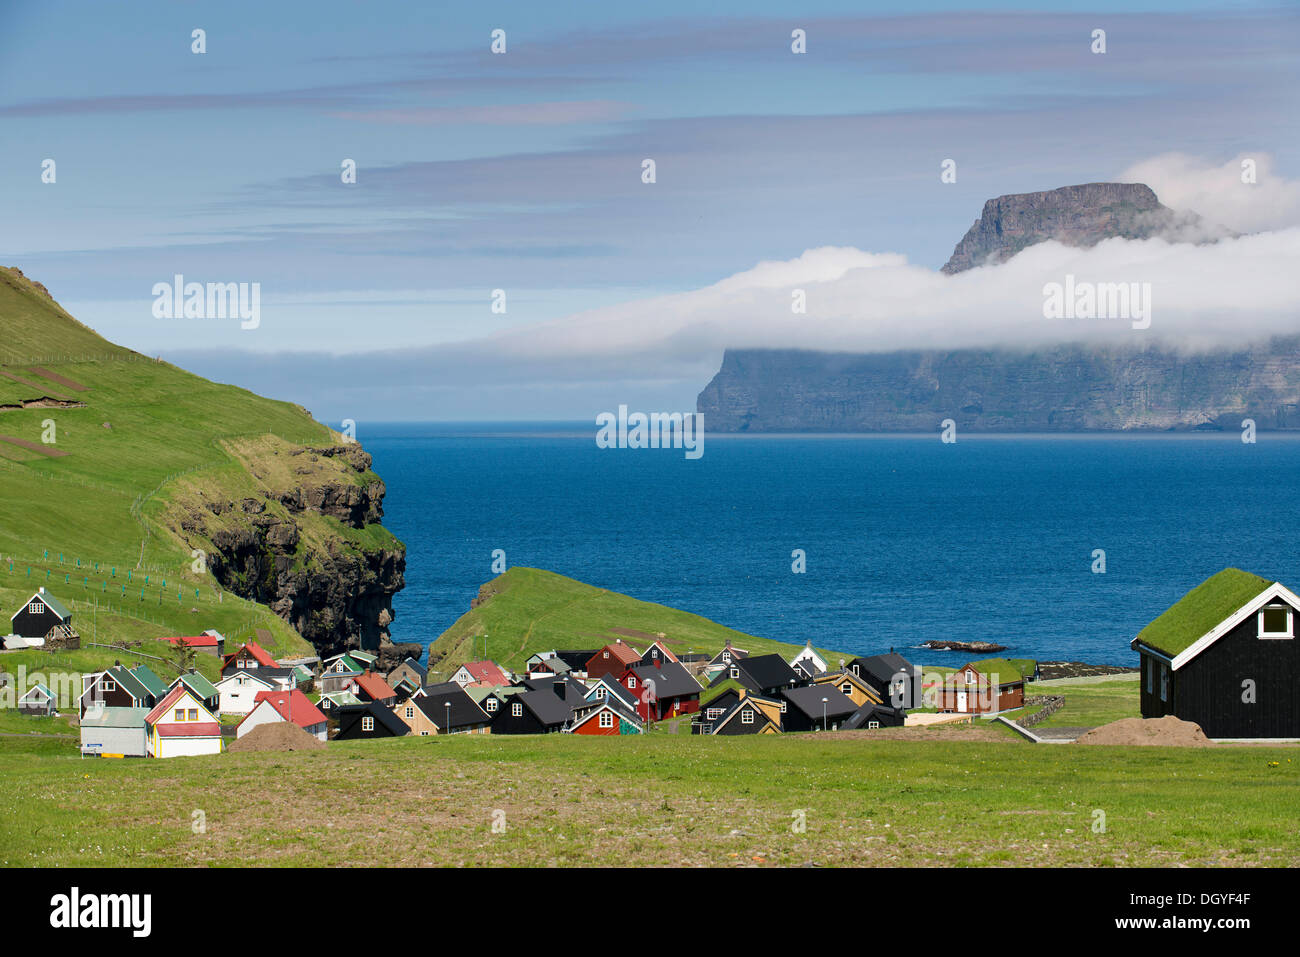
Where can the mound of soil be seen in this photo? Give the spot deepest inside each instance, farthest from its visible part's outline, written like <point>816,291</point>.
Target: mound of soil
<point>278,736</point>
<point>1078,669</point>
<point>1168,731</point>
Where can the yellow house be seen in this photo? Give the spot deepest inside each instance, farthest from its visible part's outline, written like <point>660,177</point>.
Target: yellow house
<point>850,685</point>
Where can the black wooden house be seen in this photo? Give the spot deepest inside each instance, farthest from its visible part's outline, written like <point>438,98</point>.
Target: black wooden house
<point>1225,656</point>
<point>40,615</point>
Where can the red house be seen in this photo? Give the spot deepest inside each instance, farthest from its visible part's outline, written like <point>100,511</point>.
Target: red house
<point>663,690</point>
<point>983,687</point>
<point>613,659</point>
<point>251,655</point>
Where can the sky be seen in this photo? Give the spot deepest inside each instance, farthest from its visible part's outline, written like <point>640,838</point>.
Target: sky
<point>522,171</point>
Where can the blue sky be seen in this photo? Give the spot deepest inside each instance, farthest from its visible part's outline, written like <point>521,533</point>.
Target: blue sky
<point>522,171</point>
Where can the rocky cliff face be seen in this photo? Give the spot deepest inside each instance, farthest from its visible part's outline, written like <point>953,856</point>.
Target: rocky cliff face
<point>1074,215</point>
<point>302,537</point>
<point>1064,389</point>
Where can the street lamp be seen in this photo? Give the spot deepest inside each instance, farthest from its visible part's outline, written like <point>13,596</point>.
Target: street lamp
<point>824,700</point>
<point>447,705</point>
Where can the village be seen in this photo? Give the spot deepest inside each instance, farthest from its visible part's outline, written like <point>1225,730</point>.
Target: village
<point>1230,633</point>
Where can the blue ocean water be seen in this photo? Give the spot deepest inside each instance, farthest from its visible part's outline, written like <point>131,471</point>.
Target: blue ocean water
<point>907,539</point>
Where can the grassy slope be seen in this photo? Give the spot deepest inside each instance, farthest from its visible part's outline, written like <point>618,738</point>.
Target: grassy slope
<point>666,799</point>
<point>533,610</point>
<point>170,432</point>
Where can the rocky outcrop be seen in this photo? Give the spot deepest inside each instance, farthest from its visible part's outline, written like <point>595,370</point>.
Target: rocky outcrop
<point>277,548</point>
<point>1067,388</point>
<point>1074,215</point>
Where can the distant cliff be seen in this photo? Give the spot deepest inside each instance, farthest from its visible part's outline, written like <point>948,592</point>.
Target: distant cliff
<point>1064,388</point>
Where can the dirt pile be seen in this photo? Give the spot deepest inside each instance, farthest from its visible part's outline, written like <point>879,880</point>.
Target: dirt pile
<point>1168,731</point>
<point>277,736</point>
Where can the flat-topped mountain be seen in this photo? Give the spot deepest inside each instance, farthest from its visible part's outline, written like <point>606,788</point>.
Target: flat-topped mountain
<point>1074,215</point>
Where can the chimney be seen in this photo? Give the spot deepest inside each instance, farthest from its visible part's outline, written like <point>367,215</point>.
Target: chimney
<point>558,687</point>
<point>42,591</point>
<point>659,661</point>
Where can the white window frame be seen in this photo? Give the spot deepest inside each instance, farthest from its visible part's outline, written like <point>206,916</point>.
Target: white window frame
<point>410,711</point>
<point>491,704</point>
<point>873,725</point>
<point>606,719</point>
<point>367,723</point>
<point>516,710</point>
<point>747,716</point>
<point>631,682</point>
<point>1290,622</point>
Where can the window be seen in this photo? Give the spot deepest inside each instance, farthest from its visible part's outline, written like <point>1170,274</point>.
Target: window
<point>746,717</point>
<point>491,704</point>
<point>606,719</point>
<point>631,682</point>
<point>600,693</point>
<point>872,725</point>
<point>606,654</point>
<point>516,710</point>
<point>714,713</point>
<point>735,672</point>
<point>783,706</point>
<point>179,715</point>
<point>367,723</point>
<point>970,677</point>
<point>424,734</point>
<point>1164,682</point>
<point>1151,674</point>
<point>410,712</point>
<point>846,687</point>
<point>34,608</point>
<point>855,670</point>
<point>194,714</point>
<point>110,685</point>
<point>726,656</point>
<point>1275,622</point>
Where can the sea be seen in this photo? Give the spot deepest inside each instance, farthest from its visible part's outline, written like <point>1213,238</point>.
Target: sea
<point>1059,547</point>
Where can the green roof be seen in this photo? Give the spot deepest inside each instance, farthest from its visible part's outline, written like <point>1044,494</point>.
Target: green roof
<point>731,684</point>
<point>1200,610</point>
<point>199,685</point>
<point>1006,669</point>
<point>151,681</point>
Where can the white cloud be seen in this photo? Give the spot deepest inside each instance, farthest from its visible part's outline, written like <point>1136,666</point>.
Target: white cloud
<point>1217,192</point>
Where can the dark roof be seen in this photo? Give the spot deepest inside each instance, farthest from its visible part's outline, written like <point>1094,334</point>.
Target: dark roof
<point>671,680</point>
<point>575,692</point>
<point>884,667</point>
<point>415,666</point>
<point>767,671</point>
<point>464,711</point>
<point>612,688</point>
<point>442,687</point>
<point>376,710</point>
<point>546,706</point>
<point>52,603</point>
<point>577,660</point>
<point>809,701</point>
<point>866,713</point>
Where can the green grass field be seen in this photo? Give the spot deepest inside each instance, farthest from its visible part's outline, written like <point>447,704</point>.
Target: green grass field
<point>962,799</point>
<point>533,610</point>
<point>112,517</point>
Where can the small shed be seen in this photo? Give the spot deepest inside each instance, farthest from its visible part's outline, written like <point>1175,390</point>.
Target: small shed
<point>114,732</point>
<point>38,700</point>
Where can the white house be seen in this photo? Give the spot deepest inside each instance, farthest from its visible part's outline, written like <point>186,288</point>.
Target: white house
<point>808,662</point>
<point>180,726</point>
<point>240,688</point>
<point>276,706</point>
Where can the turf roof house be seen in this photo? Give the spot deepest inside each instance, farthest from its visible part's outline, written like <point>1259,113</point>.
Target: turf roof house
<point>987,686</point>
<point>1225,656</point>
<point>43,616</point>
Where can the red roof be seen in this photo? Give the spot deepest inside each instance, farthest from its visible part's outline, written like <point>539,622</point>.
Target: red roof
<point>198,641</point>
<point>375,687</point>
<point>259,653</point>
<point>292,706</point>
<point>190,729</point>
<point>160,711</point>
<point>625,654</point>
<point>486,674</point>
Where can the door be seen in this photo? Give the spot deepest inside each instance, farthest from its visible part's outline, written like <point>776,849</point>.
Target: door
<point>961,701</point>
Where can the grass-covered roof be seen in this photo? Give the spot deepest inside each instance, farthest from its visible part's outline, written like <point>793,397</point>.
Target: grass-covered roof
<point>1197,612</point>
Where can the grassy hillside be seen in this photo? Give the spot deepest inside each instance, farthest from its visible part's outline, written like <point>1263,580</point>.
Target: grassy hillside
<point>960,797</point>
<point>104,453</point>
<point>528,610</point>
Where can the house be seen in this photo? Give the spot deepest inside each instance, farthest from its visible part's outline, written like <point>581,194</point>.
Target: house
<point>606,716</point>
<point>272,707</point>
<point>850,685</point>
<point>548,665</point>
<point>728,656</point>
<point>120,687</point>
<point>208,643</point>
<point>531,712</point>
<point>896,681</point>
<point>180,726</point>
<point>746,714</point>
<point>808,663</point>
<point>658,651</point>
<point>367,660</point>
<point>872,715</point>
<point>608,687</point>
<point>449,710</point>
<point>238,690</point>
<point>407,676</point>
<point>39,700</point>
<point>1225,657</point>
<point>337,699</point>
<point>663,690</point>
<point>491,699</point>
<point>761,674</point>
<point>815,708</point>
<point>371,687</point>
<point>250,655</point>
<point>987,686</point>
<point>339,673</point>
<point>613,659</point>
<point>576,660</point>
<point>40,616</point>
<point>368,720</point>
<point>115,733</point>
<point>570,690</point>
<point>201,688</point>
<point>481,674</point>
